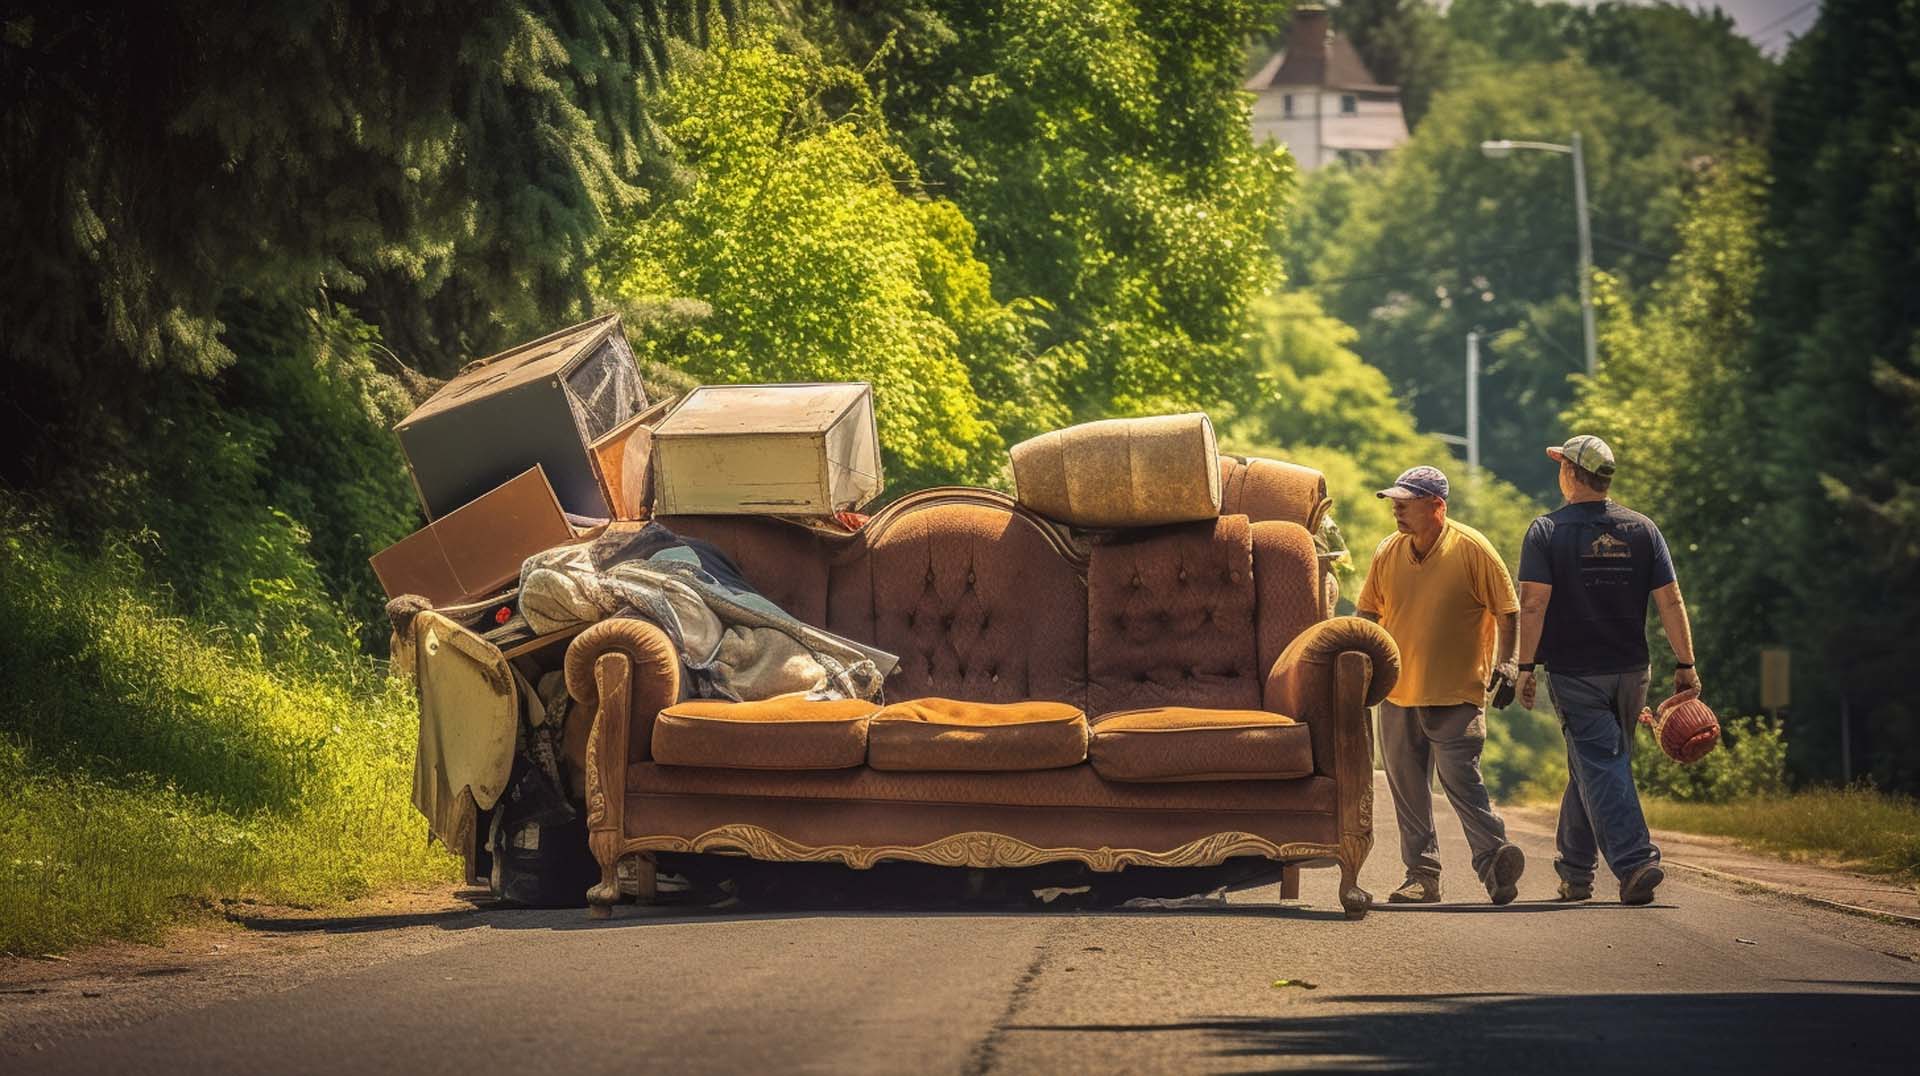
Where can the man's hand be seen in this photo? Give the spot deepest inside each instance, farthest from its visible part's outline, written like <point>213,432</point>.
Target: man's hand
<point>1686,680</point>
<point>1527,684</point>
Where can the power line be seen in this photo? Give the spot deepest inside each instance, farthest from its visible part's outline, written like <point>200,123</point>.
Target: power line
<point>1416,270</point>
<point>1783,20</point>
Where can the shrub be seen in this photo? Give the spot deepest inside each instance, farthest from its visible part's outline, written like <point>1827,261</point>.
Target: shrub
<point>1750,762</point>
<point>153,766</point>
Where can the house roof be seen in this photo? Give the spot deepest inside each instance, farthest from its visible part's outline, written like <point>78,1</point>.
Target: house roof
<point>1316,56</point>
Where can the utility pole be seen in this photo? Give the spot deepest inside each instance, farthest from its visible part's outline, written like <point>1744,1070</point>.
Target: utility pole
<point>1500,148</point>
<point>1473,401</point>
<point>1586,253</point>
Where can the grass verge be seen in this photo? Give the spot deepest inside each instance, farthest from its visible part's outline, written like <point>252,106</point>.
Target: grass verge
<point>1867,830</point>
<point>155,768</point>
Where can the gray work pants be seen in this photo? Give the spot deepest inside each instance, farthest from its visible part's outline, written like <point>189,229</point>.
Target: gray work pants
<point>1418,740</point>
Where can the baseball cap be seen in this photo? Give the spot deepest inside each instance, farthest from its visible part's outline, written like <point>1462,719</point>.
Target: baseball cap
<point>1587,452</point>
<point>1417,482</point>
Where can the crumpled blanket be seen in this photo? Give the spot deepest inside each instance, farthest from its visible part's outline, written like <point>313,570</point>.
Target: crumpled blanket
<point>734,643</point>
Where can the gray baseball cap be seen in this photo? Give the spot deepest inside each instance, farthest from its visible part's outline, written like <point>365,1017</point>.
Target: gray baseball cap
<point>1587,452</point>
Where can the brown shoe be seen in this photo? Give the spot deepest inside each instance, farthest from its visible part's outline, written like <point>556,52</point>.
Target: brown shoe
<point>1639,886</point>
<point>1571,892</point>
<point>1417,889</point>
<point>1503,881</point>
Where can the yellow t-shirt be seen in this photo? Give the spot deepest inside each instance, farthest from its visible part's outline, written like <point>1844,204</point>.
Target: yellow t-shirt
<point>1440,610</point>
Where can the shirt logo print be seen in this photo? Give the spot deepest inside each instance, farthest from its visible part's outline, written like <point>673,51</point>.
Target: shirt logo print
<point>1607,547</point>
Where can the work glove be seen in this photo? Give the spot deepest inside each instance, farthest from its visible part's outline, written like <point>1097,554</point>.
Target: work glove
<point>1502,685</point>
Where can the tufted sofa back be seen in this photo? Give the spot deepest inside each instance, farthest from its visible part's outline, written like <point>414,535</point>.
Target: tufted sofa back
<point>982,600</point>
<point>975,598</point>
<point>1170,618</point>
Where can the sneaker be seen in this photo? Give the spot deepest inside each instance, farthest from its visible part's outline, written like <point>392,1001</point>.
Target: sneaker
<point>1503,881</point>
<point>1574,891</point>
<point>1417,889</point>
<point>1639,886</point>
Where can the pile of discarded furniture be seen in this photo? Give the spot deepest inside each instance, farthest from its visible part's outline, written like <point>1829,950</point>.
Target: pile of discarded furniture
<point>651,639</point>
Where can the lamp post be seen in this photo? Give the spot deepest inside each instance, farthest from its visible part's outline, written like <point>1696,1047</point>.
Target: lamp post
<point>1503,147</point>
<point>1471,442</point>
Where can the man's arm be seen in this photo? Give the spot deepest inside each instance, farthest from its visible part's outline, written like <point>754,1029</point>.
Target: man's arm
<point>1673,619</point>
<point>1533,617</point>
<point>1506,626</point>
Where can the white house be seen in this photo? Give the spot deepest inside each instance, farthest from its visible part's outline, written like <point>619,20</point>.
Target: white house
<point>1317,97</point>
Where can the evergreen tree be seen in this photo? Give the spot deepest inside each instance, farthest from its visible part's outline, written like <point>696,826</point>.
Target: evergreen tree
<point>1834,365</point>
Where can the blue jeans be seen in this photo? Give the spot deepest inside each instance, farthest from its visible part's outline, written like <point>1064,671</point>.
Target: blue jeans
<point>1600,813</point>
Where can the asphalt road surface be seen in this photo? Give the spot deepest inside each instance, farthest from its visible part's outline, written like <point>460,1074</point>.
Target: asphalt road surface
<point>1709,979</point>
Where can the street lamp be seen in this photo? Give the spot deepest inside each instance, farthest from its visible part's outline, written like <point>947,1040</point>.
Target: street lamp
<point>1503,147</point>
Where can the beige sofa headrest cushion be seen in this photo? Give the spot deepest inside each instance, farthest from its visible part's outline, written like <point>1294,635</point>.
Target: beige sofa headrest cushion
<point>1122,472</point>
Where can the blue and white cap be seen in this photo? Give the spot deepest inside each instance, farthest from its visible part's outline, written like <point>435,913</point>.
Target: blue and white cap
<point>1415,483</point>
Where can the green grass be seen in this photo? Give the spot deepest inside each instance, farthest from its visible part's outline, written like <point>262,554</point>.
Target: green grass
<point>154,768</point>
<point>1865,829</point>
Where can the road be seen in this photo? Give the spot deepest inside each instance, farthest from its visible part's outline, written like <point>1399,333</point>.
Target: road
<point>1710,979</point>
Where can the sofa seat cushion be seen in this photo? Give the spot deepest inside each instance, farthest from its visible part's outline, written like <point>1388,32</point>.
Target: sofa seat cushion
<point>1177,743</point>
<point>786,733</point>
<point>950,734</point>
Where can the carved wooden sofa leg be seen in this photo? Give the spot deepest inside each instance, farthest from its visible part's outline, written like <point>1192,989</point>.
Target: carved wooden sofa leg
<point>1290,882</point>
<point>1353,853</point>
<point>602,896</point>
<point>1353,899</point>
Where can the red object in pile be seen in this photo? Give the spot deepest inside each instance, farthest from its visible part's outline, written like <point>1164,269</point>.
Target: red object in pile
<point>1684,727</point>
<point>503,614</point>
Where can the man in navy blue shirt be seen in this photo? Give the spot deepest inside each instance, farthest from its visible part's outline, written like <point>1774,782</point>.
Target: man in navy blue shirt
<point>1586,573</point>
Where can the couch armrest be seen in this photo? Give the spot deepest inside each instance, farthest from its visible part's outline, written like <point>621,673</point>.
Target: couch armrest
<point>651,669</point>
<point>622,671</point>
<point>1328,677</point>
<point>1304,682</point>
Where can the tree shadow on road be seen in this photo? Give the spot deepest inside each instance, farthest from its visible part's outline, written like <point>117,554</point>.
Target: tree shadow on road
<point>1861,1029</point>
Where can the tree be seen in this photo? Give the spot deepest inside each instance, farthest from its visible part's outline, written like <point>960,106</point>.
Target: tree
<point>221,217</point>
<point>1102,151</point>
<point>1833,365</point>
<point>804,231</point>
<point>1672,400</point>
<point>1319,404</point>
<point>1441,240</point>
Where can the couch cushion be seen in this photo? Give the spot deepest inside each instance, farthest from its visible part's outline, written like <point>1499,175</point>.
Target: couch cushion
<point>1177,743</point>
<point>775,734</point>
<point>949,734</point>
<point>1170,619</point>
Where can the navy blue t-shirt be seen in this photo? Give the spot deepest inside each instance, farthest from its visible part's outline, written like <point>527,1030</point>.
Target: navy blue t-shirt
<point>1603,562</point>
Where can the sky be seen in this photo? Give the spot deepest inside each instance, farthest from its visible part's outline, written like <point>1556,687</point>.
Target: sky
<point>1771,24</point>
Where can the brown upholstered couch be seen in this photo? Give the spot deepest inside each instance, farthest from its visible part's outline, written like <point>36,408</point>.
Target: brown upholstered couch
<point>986,603</point>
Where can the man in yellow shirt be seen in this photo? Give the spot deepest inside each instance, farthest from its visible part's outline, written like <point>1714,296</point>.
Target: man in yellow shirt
<point>1444,595</point>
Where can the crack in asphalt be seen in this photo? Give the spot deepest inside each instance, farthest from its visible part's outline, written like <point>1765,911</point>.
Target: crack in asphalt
<point>986,1052</point>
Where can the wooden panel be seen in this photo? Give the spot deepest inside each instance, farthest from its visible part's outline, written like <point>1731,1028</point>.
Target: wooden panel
<point>624,460</point>
<point>476,550</point>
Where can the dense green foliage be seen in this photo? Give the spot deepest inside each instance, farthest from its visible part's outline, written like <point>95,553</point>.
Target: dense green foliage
<point>1103,154</point>
<point>1766,392</point>
<point>807,241</point>
<point>1836,385</point>
<point>1440,240</point>
<point>1314,401</point>
<point>153,767</point>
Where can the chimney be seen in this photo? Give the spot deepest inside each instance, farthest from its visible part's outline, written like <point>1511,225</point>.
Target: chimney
<point>1307,43</point>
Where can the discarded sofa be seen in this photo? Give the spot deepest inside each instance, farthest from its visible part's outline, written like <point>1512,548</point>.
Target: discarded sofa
<point>1068,692</point>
